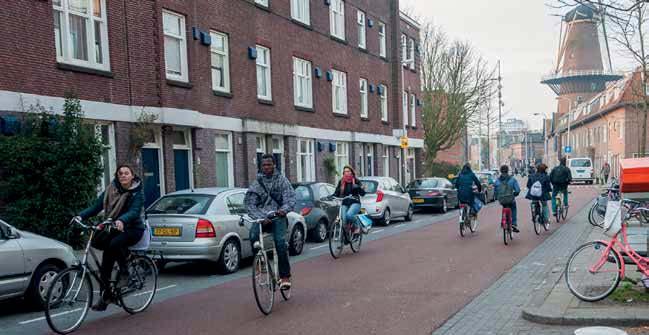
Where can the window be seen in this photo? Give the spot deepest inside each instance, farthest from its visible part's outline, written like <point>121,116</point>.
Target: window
<point>337,18</point>
<point>386,161</point>
<point>260,143</point>
<point>404,48</point>
<point>361,29</point>
<point>363,90</point>
<point>382,42</point>
<point>300,11</point>
<point>175,44</point>
<point>106,133</point>
<point>81,33</point>
<point>339,89</point>
<point>369,153</point>
<point>220,62</point>
<point>404,108</point>
<point>302,87</point>
<point>342,156</point>
<point>305,161</point>
<point>182,204</point>
<point>413,110</point>
<point>324,191</point>
<point>263,73</point>
<point>224,160</point>
<point>262,2</point>
<point>278,153</point>
<point>236,204</point>
<point>384,102</point>
<point>411,51</point>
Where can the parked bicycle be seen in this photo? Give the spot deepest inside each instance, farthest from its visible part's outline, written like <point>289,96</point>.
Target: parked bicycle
<point>70,294</point>
<point>538,219</point>
<point>340,234</point>
<point>265,274</point>
<point>468,219</point>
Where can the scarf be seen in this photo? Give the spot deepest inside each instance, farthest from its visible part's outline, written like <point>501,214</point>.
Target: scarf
<point>346,180</point>
<point>114,201</point>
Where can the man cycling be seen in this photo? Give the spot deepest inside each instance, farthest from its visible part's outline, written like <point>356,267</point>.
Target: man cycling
<point>560,177</point>
<point>464,183</point>
<point>271,197</point>
<point>507,189</point>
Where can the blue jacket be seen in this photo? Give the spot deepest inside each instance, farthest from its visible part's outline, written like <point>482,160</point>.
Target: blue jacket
<point>464,184</point>
<point>511,181</point>
<point>545,184</point>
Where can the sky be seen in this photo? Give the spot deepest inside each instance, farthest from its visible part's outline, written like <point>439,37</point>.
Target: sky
<point>523,34</point>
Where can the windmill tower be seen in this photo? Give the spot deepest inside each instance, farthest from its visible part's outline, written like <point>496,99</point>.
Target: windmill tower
<point>581,71</point>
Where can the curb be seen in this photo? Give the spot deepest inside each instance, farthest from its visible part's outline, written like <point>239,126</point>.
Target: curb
<point>630,317</point>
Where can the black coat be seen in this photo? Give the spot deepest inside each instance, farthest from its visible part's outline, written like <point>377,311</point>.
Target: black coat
<point>545,184</point>
<point>355,190</point>
<point>464,184</point>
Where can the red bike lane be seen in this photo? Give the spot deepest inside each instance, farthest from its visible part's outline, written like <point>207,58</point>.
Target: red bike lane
<point>408,283</point>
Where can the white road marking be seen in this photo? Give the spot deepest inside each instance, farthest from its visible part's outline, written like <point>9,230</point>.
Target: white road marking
<point>399,225</point>
<point>158,290</point>
<point>377,231</point>
<point>318,247</point>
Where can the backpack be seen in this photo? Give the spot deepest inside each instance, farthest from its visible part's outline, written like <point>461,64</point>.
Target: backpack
<point>537,189</point>
<point>560,175</point>
<point>505,193</point>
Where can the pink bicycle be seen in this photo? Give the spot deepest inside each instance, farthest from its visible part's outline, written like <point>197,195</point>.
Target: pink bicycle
<point>595,269</point>
<point>506,224</point>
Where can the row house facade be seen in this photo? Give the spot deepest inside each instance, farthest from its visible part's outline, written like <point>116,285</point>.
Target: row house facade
<point>227,80</point>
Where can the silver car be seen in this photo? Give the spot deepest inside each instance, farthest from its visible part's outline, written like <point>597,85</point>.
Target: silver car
<point>28,263</point>
<point>385,200</point>
<point>204,225</point>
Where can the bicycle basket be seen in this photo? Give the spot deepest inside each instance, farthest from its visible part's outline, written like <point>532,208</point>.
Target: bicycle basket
<point>613,218</point>
<point>366,222</point>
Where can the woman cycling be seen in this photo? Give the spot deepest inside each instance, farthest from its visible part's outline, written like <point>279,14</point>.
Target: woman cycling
<point>122,202</point>
<point>539,188</point>
<point>351,206</point>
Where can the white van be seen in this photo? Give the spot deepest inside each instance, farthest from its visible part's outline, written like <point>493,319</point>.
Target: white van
<point>581,169</point>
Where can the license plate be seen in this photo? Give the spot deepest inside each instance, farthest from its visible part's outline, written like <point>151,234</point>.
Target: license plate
<point>418,201</point>
<point>581,171</point>
<point>166,231</point>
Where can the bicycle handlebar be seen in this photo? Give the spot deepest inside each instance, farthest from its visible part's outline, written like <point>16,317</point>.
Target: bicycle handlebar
<point>77,220</point>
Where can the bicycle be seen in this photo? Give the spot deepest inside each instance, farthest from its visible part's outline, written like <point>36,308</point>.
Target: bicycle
<point>506,225</point>
<point>339,235</point>
<point>74,285</point>
<point>538,219</point>
<point>562,209</point>
<point>467,219</point>
<point>595,269</point>
<point>265,275</point>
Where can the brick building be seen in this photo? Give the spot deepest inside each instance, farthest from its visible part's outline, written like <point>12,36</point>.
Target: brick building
<point>228,80</point>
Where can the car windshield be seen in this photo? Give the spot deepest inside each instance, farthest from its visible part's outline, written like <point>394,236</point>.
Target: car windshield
<point>424,183</point>
<point>580,163</point>
<point>182,204</point>
<point>302,193</point>
<point>370,186</point>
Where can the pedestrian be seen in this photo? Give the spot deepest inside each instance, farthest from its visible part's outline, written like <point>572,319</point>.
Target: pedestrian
<point>606,171</point>
<point>122,202</point>
<point>271,197</point>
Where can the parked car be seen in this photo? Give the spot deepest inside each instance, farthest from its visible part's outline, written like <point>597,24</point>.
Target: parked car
<point>385,200</point>
<point>204,225</point>
<point>488,181</point>
<point>314,203</point>
<point>437,193</point>
<point>29,263</point>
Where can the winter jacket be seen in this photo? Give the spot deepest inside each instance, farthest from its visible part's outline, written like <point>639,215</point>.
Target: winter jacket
<point>355,189</point>
<point>561,177</point>
<point>545,184</point>
<point>511,181</point>
<point>281,197</point>
<point>464,184</point>
<point>130,213</point>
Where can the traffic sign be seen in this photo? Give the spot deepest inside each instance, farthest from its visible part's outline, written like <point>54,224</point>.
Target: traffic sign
<point>404,142</point>
<point>567,149</point>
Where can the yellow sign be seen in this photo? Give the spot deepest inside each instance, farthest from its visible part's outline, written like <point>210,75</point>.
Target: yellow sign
<point>404,142</point>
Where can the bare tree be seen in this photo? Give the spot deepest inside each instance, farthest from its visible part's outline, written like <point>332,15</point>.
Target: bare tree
<point>457,83</point>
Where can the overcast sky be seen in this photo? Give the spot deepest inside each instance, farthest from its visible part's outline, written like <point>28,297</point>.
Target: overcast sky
<point>521,33</point>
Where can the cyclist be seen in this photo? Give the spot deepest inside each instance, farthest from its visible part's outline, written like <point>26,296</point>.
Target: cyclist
<point>272,193</point>
<point>507,189</point>
<point>560,177</point>
<point>539,188</point>
<point>122,202</point>
<point>350,185</point>
<point>464,184</point>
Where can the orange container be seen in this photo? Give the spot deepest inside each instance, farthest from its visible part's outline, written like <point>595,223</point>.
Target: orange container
<point>634,175</point>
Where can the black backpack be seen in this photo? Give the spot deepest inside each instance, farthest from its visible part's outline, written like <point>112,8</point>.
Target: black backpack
<point>560,175</point>
<point>505,193</point>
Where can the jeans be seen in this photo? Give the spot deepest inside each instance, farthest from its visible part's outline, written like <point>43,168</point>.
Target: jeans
<point>545,211</point>
<point>554,199</point>
<point>117,251</point>
<point>350,212</point>
<point>514,214</point>
<point>279,226</point>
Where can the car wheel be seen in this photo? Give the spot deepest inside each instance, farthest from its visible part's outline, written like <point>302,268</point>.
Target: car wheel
<point>230,256</point>
<point>411,212</point>
<point>43,276</point>
<point>296,245</point>
<point>320,231</point>
<point>387,217</point>
<point>444,208</point>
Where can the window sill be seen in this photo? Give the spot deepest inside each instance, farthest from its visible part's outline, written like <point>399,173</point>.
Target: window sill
<point>180,84</point>
<point>302,24</point>
<point>222,94</point>
<point>346,116</point>
<point>304,109</point>
<point>413,70</point>
<point>81,69</point>
<point>413,127</point>
<point>365,118</point>
<point>385,122</point>
<point>384,58</point>
<point>262,7</point>
<point>363,50</point>
<point>265,102</point>
<point>338,39</point>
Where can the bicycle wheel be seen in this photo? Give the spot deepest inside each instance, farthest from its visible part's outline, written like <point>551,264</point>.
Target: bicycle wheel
<point>336,240</point>
<point>564,212</point>
<point>356,242</point>
<point>473,224</point>
<point>536,220</point>
<point>591,274</point>
<point>546,223</point>
<point>263,283</point>
<point>69,298</point>
<point>142,285</point>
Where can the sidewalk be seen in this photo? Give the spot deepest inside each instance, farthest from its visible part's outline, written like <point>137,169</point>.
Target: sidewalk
<point>558,306</point>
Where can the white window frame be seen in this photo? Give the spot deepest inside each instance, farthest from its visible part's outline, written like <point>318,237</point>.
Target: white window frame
<point>382,40</point>
<point>310,161</point>
<point>410,155</point>
<point>230,153</point>
<point>339,85</point>
<point>302,72</point>
<point>184,72</point>
<point>364,109</point>
<point>384,103</point>
<point>225,53</point>
<point>342,156</point>
<point>337,18</point>
<point>386,161</point>
<point>262,2</point>
<point>63,41</point>
<point>266,72</point>
<point>362,37</point>
<point>413,111</point>
<point>112,152</point>
<point>404,107</point>
<point>369,153</point>
<point>300,11</point>
<point>411,51</point>
<point>190,155</point>
<point>260,144</point>
<point>280,151</point>
<point>404,48</point>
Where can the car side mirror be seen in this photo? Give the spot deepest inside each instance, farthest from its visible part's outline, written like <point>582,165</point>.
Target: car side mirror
<point>241,221</point>
<point>12,233</point>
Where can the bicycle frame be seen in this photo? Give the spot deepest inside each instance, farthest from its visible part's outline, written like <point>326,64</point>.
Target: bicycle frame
<point>506,220</point>
<point>620,247</point>
<point>274,270</point>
